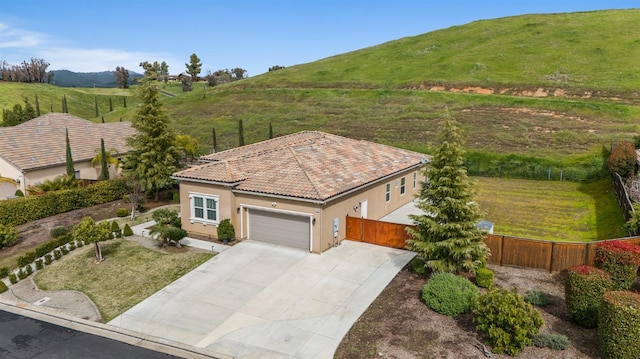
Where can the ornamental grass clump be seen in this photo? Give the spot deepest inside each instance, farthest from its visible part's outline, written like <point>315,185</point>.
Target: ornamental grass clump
<point>506,320</point>
<point>449,294</point>
<point>619,325</point>
<point>583,292</point>
<point>621,260</point>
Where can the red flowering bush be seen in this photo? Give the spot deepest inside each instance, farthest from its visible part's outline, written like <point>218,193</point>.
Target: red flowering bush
<point>621,260</point>
<point>583,292</point>
<point>622,159</point>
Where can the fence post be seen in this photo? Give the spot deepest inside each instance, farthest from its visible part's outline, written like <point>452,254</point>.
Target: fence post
<point>551,256</point>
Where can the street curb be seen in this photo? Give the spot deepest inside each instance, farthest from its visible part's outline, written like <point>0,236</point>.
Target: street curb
<point>107,331</point>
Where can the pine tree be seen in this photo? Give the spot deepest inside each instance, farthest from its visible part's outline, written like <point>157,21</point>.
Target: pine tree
<point>154,156</point>
<point>104,166</point>
<point>447,237</point>
<point>240,133</point>
<point>71,172</point>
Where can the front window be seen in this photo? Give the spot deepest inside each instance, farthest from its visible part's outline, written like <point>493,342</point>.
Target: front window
<point>204,208</point>
<point>403,185</point>
<point>387,194</point>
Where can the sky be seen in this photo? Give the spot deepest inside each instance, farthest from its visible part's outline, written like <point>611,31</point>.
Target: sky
<point>98,35</point>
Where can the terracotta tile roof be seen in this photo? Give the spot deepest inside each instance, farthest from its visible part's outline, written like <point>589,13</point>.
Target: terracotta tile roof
<point>40,142</point>
<point>310,164</point>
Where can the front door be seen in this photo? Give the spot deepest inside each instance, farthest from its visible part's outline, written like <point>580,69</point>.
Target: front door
<point>363,209</point>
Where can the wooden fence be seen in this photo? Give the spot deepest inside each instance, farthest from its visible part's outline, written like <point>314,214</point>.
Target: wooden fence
<point>622,196</point>
<point>507,251</point>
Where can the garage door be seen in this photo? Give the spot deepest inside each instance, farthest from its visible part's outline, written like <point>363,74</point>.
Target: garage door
<point>279,228</point>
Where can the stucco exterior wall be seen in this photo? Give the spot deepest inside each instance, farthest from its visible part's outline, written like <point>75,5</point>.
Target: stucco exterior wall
<point>236,206</point>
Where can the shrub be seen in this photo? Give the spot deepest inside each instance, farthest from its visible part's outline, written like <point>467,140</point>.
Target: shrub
<point>29,270</point>
<point>39,263</point>
<point>127,230</point>
<point>27,258</point>
<point>17,211</point>
<point>22,274</point>
<point>13,278</point>
<point>4,272</point>
<point>64,250</point>
<point>58,231</point>
<point>48,259</point>
<point>484,277</point>
<point>551,341</point>
<point>72,246</point>
<point>506,320</point>
<point>165,216</point>
<point>583,291</point>
<point>19,193</point>
<point>80,243</point>
<point>537,297</point>
<point>449,294</point>
<point>176,197</point>
<point>418,266</point>
<point>619,325</point>
<point>622,159</point>
<point>621,260</point>
<point>226,230</point>
<point>8,234</point>
<point>115,229</point>
<point>122,212</point>
<point>3,287</point>
<point>57,254</point>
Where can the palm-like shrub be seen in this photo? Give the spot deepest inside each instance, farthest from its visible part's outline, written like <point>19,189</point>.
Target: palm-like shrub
<point>56,184</point>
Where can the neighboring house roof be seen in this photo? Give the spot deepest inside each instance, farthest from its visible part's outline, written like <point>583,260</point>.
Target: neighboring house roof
<point>40,142</point>
<point>309,165</point>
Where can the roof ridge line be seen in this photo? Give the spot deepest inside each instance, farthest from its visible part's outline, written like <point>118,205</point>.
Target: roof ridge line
<point>315,188</point>
<point>269,149</point>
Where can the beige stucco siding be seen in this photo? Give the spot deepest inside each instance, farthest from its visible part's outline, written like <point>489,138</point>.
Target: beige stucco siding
<point>237,205</point>
<point>8,171</point>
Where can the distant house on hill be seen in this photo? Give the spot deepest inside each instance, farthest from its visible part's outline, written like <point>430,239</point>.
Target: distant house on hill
<point>34,151</point>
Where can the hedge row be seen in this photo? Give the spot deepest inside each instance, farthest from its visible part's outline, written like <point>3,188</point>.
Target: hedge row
<point>621,260</point>
<point>619,325</point>
<point>17,211</point>
<point>584,288</point>
<point>42,249</point>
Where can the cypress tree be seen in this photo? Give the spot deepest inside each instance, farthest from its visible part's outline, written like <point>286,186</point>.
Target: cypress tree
<point>71,172</point>
<point>270,131</point>
<point>65,109</point>
<point>215,142</point>
<point>240,133</point>
<point>95,101</point>
<point>104,166</point>
<point>102,119</point>
<point>37,106</point>
<point>447,238</point>
<point>110,105</point>
<point>124,101</point>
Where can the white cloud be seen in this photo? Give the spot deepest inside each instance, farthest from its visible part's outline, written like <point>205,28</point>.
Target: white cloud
<point>19,38</point>
<point>92,60</point>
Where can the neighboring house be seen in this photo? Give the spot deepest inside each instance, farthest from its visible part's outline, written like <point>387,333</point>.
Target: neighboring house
<point>296,190</point>
<point>34,151</point>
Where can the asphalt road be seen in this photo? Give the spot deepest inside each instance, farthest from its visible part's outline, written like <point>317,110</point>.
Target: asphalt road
<point>26,338</point>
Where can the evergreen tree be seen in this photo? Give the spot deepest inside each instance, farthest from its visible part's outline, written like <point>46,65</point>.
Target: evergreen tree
<point>240,133</point>
<point>71,172</point>
<point>95,101</point>
<point>154,156</point>
<point>110,105</point>
<point>104,166</point>
<point>270,131</point>
<point>194,67</point>
<point>65,109</point>
<point>124,101</point>
<point>37,107</point>
<point>446,237</point>
<point>215,142</point>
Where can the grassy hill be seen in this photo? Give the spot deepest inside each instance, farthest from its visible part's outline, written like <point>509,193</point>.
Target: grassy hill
<point>583,67</point>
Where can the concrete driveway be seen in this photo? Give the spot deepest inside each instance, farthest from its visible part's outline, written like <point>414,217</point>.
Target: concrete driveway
<point>257,300</point>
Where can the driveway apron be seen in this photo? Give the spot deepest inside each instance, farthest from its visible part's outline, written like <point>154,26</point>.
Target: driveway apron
<point>258,300</point>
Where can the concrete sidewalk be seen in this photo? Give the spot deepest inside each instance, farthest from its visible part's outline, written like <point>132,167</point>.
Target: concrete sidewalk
<point>257,300</point>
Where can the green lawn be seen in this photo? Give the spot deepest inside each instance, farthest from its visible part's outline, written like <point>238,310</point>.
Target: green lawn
<point>563,211</point>
<point>129,273</point>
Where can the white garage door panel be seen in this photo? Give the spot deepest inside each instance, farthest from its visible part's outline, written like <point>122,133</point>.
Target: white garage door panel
<point>279,228</point>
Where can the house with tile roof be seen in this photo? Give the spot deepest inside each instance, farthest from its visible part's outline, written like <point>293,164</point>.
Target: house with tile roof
<point>296,190</point>
<point>34,151</point>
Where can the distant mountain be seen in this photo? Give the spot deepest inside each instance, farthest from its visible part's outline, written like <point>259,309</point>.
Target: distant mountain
<point>66,78</point>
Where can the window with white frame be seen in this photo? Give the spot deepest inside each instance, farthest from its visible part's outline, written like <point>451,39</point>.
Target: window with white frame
<point>387,192</point>
<point>204,207</point>
<point>403,185</point>
<point>415,179</point>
